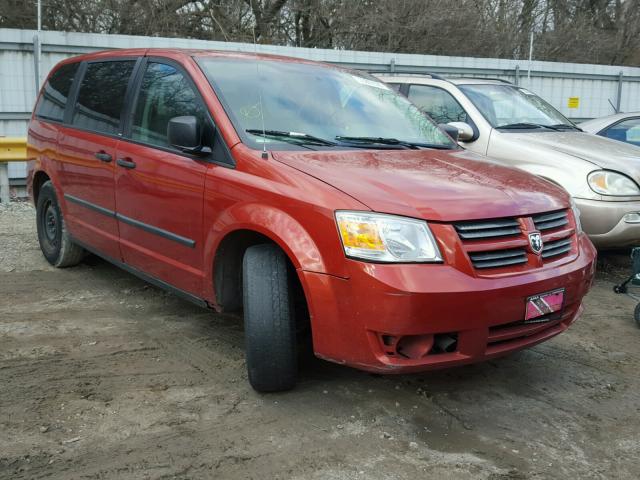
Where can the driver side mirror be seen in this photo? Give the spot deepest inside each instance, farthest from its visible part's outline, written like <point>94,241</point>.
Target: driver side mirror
<point>465,131</point>
<point>184,133</point>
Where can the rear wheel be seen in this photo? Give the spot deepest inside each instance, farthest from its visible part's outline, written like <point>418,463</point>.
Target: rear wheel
<point>269,320</point>
<point>55,242</point>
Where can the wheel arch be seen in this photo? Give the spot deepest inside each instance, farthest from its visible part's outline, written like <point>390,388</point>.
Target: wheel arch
<point>39,178</point>
<point>251,225</point>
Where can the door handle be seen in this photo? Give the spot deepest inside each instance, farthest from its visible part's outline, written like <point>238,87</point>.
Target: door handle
<point>103,156</point>
<point>126,163</point>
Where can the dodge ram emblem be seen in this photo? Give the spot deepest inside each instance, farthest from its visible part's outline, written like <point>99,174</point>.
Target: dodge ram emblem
<point>535,240</point>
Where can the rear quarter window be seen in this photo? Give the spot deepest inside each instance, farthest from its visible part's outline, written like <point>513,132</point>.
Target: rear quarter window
<point>101,96</point>
<point>53,101</point>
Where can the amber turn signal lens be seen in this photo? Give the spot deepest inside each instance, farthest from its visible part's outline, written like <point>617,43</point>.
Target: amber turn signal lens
<point>360,234</point>
<point>386,238</point>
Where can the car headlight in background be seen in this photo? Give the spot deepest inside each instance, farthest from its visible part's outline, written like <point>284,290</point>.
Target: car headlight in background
<point>576,216</point>
<point>386,238</point>
<point>606,182</point>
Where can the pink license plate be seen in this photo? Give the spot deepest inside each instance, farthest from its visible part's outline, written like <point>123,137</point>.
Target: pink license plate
<point>544,304</point>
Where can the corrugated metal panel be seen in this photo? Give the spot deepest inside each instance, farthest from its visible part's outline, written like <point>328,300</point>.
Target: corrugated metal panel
<point>13,128</point>
<point>595,85</point>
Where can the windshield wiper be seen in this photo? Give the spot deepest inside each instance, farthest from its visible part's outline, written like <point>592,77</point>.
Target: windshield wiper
<point>392,142</point>
<point>301,138</point>
<point>564,126</point>
<point>523,126</point>
<point>526,125</point>
<point>377,140</point>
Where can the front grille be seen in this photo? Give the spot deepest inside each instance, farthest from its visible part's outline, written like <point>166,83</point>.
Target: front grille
<point>557,247</point>
<point>501,227</point>
<point>498,258</point>
<point>549,221</point>
<point>502,242</point>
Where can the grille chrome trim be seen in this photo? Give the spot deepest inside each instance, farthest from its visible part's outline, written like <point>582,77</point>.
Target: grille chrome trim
<point>556,248</point>
<point>549,221</point>
<point>498,258</point>
<point>475,230</point>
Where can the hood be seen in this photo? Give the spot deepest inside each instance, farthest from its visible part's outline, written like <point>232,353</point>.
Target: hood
<point>596,124</point>
<point>600,151</point>
<point>431,184</point>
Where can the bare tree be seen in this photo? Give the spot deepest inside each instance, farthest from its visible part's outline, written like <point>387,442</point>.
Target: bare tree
<point>594,31</point>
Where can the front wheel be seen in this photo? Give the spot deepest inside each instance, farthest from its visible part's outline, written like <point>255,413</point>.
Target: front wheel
<point>269,320</point>
<point>55,242</point>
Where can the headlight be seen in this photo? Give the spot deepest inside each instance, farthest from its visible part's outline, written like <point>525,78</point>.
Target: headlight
<point>576,216</point>
<point>606,182</point>
<point>386,238</point>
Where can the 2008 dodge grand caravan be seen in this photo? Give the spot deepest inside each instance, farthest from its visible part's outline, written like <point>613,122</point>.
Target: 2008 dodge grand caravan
<point>308,196</point>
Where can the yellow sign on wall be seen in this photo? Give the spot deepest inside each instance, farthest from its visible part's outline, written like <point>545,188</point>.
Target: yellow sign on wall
<point>574,102</point>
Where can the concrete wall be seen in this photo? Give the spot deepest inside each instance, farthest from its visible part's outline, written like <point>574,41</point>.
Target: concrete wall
<point>597,86</point>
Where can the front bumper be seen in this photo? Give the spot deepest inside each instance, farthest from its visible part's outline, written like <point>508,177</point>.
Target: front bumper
<point>354,320</point>
<point>604,222</point>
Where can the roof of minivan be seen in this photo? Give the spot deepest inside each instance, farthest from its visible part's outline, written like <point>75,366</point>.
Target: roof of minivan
<point>189,53</point>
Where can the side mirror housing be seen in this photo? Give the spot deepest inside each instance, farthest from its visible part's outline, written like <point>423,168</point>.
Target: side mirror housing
<point>465,131</point>
<point>183,133</point>
<point>450,130</point>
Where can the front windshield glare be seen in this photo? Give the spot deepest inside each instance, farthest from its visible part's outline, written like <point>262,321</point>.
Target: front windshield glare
<point>505,105</point>
<point>326,103</point>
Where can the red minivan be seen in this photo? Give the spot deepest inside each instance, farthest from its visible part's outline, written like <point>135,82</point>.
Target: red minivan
<point>312,198</point>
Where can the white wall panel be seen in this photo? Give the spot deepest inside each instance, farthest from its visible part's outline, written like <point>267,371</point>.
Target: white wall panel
<point>595,85</point>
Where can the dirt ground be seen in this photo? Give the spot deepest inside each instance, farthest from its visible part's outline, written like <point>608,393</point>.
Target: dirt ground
<point>103,376</point>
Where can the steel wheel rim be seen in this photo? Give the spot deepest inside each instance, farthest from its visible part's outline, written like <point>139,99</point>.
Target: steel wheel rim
<point>50,223</point>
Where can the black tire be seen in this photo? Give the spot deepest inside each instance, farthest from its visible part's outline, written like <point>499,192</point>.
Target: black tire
<point>55,242</point>
<point>269,319</point>
<point>636,314</point>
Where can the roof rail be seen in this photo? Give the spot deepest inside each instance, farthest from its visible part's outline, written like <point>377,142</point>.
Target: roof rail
<point>495,79</point>
<point>435,76</point>
<point>453,76</point>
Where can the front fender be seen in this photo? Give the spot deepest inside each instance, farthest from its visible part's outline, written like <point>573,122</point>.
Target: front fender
<point>286,231</point>
<point>573,182</point>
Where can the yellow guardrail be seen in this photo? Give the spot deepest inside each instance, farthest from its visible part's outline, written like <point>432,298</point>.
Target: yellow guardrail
<point>13,149</point>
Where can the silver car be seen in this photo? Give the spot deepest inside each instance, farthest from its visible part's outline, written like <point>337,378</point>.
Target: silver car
<point>513,125</point>
<point>624,127</point>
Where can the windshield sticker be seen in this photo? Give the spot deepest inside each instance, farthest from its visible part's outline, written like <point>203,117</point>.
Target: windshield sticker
<point>264,140</point>
<point>250,111</point>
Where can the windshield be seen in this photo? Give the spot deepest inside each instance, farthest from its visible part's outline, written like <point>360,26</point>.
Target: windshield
<point>315,101</point>
<point>505,105</point>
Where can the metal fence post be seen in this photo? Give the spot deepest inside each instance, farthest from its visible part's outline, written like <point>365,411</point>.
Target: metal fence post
<point>619,96</point>
<point>4,183</point>
<point>36,61</point>
<point>517,75</point>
